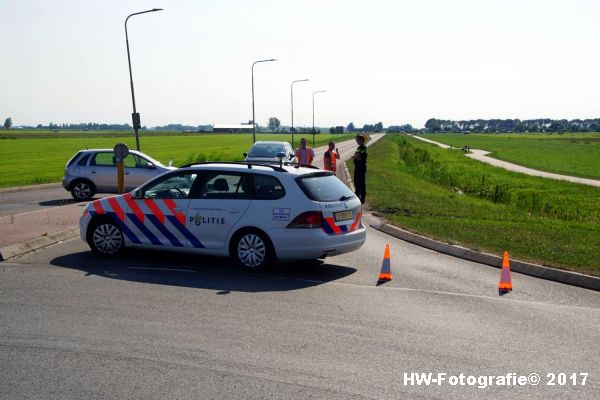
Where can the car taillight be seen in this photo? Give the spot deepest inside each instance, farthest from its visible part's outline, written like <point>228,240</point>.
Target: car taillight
<point>85,212</point>
<point>309,219</point>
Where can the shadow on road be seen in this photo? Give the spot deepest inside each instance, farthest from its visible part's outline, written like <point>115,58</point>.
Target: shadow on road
<point>58,202</point>
<point>70,200</point>
<point>194,271</point>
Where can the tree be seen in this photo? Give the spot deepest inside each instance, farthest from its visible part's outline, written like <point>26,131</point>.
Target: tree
<point>274,124</point>
<point>433,125</point>
<point>378,127</point>
<point>351,127</point>
<point>8,123</point>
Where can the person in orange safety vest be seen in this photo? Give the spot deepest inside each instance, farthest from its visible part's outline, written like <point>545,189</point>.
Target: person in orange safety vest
<point>304,154</point>
<point>330,158</point>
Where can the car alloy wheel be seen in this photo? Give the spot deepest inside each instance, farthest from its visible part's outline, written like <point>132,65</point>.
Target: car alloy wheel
<point>82,191</point>
<point>106,239</point>
<point>252,252</point>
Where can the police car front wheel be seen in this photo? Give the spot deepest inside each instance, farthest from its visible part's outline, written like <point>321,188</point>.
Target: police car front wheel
<point>252,251</point>
<point>105,238</point>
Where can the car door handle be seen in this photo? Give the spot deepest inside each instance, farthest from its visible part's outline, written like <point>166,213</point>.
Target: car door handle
<point>126,173</point>
<point>234,211</point>
<point>93,171</point>
<point>179,210</point>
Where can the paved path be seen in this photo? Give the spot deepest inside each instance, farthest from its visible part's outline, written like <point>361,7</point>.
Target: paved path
<point>482,155</point>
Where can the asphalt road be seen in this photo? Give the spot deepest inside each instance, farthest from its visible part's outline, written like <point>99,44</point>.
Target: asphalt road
<point>30,198</point>
<point>163,325</point>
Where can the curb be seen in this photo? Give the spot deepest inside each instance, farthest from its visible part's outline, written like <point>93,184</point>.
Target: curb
<point>538,271</point>
<point>19,249</point>
<point>30,187</point>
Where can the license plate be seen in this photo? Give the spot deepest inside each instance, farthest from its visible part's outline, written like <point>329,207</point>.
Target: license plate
<point>343,215</point>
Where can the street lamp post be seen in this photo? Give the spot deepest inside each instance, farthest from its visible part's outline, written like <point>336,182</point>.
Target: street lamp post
<point>135,117</point>
<point>253,117</point>
<point>313,115</point>
<point>292,96</point>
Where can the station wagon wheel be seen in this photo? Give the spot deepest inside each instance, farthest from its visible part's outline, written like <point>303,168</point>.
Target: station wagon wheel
<point>82,190</point>
<point>253,251</point>
<point>105,238</point>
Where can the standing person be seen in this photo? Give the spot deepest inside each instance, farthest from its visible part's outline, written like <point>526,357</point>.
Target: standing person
<point>360,168</point>
<point>330,158</point>
<point>304,154</point>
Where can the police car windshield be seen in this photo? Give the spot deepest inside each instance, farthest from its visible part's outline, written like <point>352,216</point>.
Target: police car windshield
<point>324,187</point>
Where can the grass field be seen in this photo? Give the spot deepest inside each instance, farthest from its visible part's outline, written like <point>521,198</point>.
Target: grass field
<point>449,197</point>
<point>25,160</point>
<point>575,154</point>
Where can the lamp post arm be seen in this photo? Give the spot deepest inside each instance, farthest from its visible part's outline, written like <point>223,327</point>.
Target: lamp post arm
<point>253,116</point>
<point>135,115</point>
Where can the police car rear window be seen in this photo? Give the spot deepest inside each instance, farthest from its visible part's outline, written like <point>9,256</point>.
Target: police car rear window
<point>324,187</point>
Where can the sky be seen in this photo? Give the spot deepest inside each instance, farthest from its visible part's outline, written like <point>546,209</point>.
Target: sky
<point>396,61</point>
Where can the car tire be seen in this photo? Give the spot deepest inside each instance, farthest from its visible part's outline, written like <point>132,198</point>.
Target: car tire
<point>83,190</point>
<point>252,250</point>
<point>105,238</point>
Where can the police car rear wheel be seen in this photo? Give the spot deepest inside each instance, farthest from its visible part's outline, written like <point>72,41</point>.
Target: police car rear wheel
<point>105,239</point>
<point>253,252</point>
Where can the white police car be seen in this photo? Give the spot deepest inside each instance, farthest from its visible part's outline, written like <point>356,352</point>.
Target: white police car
<point>255,213</point>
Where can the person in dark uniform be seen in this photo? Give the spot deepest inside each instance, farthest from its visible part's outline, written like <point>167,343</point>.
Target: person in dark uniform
<point>360,168</point>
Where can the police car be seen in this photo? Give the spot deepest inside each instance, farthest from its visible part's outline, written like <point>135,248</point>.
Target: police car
<point>253,213</point>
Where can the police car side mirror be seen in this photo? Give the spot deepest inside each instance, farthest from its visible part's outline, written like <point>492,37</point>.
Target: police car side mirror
<point>136,194</point>
<point>245,154</point>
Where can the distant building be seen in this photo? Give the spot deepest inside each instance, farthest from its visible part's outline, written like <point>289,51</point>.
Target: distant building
<point>240,128</point>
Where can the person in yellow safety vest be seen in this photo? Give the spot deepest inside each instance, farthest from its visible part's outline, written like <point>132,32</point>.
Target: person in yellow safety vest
<point>304,154</point>
<point>330,158</point>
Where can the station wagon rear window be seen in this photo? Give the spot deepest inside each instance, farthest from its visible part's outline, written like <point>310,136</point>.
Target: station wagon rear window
<point>324,187</point>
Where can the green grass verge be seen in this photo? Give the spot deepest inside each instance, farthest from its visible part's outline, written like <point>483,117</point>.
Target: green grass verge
<point>575,154</point>
<point>446,196</point>
<point>27,161</point>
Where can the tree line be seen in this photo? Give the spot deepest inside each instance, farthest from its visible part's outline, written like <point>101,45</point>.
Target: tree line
<point>432,125</point>
<point>378,127</point>
<point>89,126</point>
<point>513,125</point>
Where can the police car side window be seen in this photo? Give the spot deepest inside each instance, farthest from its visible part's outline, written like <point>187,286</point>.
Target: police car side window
<point>221,185</point>
<point>267,187</point>
<point>176,186</point>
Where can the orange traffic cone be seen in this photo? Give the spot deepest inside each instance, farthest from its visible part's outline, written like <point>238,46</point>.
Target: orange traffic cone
<point>505,284</point>
<point>386,271</point>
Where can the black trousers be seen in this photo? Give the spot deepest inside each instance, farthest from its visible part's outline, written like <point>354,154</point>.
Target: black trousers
<point>360,185</point>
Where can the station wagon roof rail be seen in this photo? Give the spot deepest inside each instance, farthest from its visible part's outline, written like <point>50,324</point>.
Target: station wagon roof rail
<point>249,164</point>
